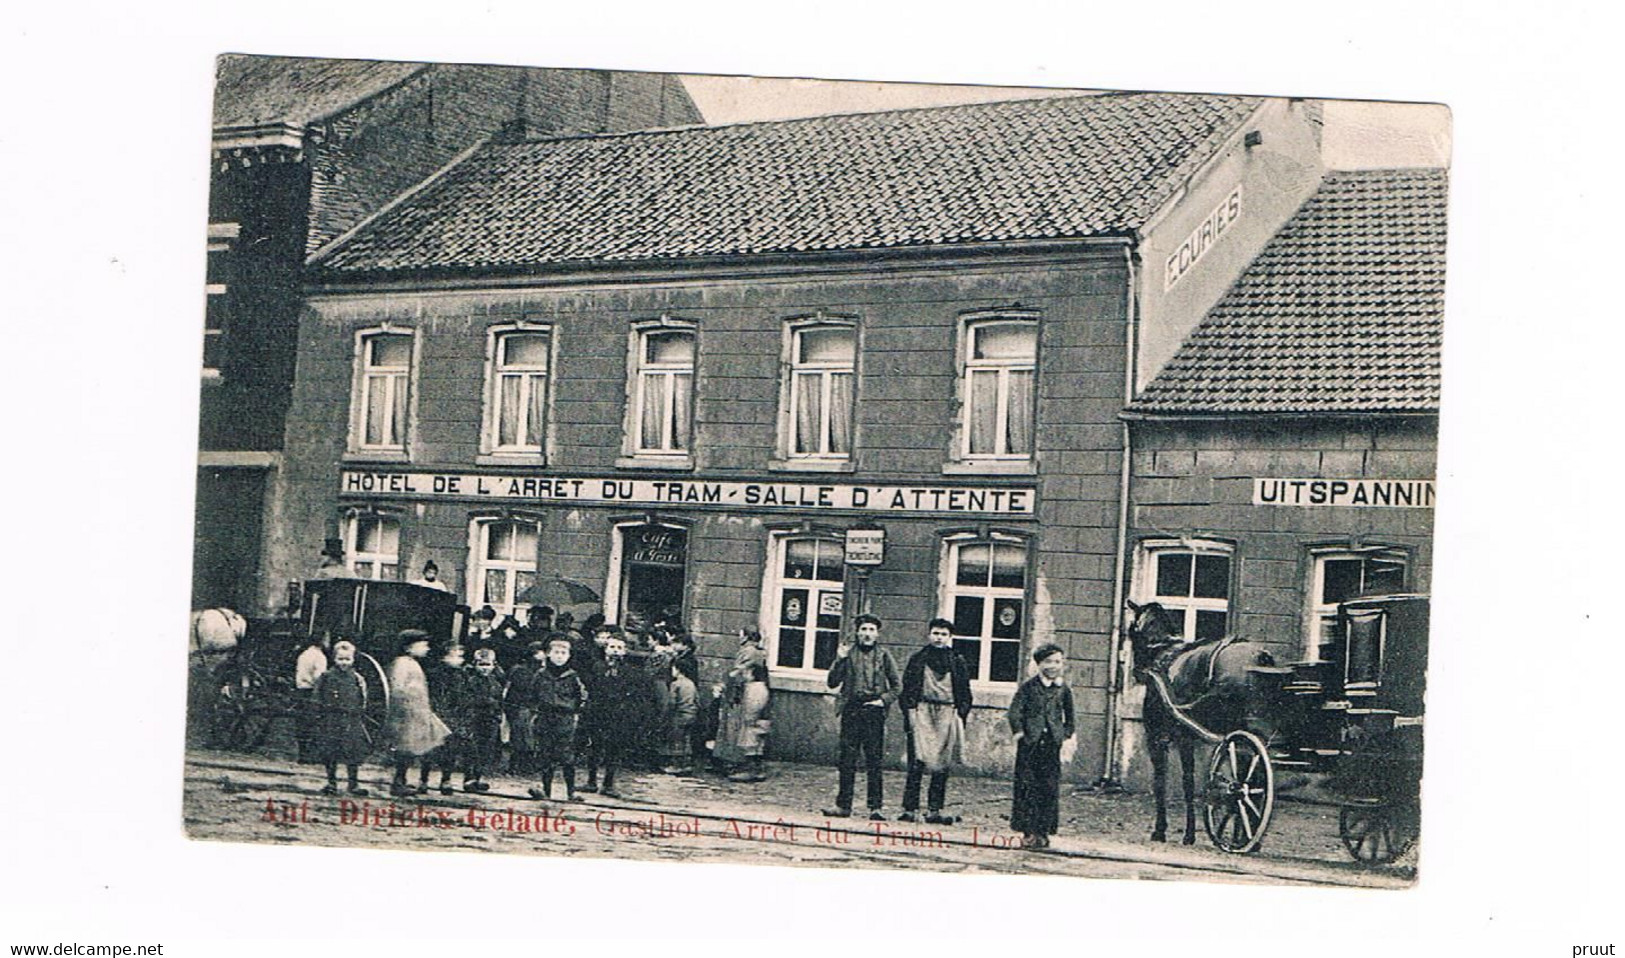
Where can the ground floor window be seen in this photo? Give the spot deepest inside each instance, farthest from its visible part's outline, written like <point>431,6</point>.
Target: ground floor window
<point>1339,575</point>
<point>985,596</point>
<point>649,574</point>
<point>372,547</point>
<point>503,564</point>
<point>1191,580</point>
<point>803,595</point>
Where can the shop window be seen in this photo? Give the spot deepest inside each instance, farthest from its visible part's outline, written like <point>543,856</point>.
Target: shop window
<point>648,574</point>
<point>818,399</point>
<point>382,384</point>
<point>998,376</point>
<point>985,597</point>
<point>1340,575</point>
<point>803,601</point>
<point>1191,580</point>
<point>372,547</point>
<point>662,391</point>
<point>517,399</point>
<point>503,565</point>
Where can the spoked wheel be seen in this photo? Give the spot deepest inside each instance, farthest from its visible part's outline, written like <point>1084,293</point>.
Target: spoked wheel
<point>377,708</point>
<point>1377,833</point>
<point>1240,793</point>
<point>240,694</point>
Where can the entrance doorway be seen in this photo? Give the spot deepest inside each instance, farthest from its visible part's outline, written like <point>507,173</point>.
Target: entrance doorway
<point>652,575</point>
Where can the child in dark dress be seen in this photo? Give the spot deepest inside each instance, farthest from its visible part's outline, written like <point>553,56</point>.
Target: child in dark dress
<point>559,697</point>
<point>482,717</point>
<point>340,733</point>
<point>446,699</point>
<point>1041,717</point>
<point>608,716</point>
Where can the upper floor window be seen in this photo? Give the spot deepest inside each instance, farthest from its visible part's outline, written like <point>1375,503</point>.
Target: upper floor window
<point>217,285</point>
<point>383,378</point>
<point>372,546</point>
<point>503,564</point>
<point>985,596</point>
<point>520,370</point>
<point>820,380</point>
<point>662,418</point>
<point>1191,580</point>
<point>1342,574</point>
<point>803,600</point>
<point>999,370</point>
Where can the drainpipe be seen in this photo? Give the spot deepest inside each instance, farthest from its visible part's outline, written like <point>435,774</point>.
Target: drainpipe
<point>1114,676</point>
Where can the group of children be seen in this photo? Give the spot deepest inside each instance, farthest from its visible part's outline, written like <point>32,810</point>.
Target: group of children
<point>575,696</point>
<point>571,697</point>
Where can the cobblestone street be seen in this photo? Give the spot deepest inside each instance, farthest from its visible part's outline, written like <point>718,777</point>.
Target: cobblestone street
<point>704,817</point>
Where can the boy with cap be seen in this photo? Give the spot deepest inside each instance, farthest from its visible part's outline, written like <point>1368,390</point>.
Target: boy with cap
<point>867,682</point>
<point>519,704</point>
<point>608,716</point>
<point>482,716</point>
<point>935,702</point>
<point>1041,717</point>
<point>559,697</point>
<point>340,734</point>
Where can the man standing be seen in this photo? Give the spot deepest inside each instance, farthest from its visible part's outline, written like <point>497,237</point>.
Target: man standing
<point>935,702</point>
<point>867,682</point>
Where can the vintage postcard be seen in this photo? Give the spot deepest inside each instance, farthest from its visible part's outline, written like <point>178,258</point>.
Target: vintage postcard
<point>797,472</point>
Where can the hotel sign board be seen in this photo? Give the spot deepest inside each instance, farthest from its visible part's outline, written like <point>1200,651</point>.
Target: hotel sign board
<point>1360,493</point>
<point>1187,254</point>
<point>1005,501</point>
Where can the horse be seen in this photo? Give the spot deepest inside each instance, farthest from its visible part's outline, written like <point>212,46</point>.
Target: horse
<point>1196,691</point>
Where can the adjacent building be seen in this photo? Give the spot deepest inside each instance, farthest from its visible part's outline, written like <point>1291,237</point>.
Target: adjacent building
<point>1284,459</point>
<point>688,366</point>
<point>303,150</point>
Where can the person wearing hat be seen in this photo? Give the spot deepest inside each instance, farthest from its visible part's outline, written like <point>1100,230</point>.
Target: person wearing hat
<point>935,703</point>
<point>414,729</point>
<point>332,565</point>
<point>867,682</point>
<point>446,689</point>
<point>1042,718</point>
<point>482,715</point>
<point>560,696</point>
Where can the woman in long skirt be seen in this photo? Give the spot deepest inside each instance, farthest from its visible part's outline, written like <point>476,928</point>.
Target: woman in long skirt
<point>1041,718</point>
<point>742,732</point>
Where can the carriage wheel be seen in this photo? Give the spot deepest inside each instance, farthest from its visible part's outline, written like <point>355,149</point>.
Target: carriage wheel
<point>1377,833</point>
<point>1240,793</point>
<point>239,698</point>
<point>377,685</point>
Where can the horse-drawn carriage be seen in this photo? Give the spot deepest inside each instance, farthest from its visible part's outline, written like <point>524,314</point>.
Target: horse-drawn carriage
<point>245,670</point>
<point>1346,728</point>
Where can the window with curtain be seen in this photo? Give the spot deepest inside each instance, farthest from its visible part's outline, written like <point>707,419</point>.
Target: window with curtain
<point>381,390</point>
<point>823,361</point>
<point>985,596</point>
<point>372,547</point>
<point>1000,371</point>
<point>503,564</point>
<point>1191,580</point>
<point>1339,575</point>
<point>804,598</point>
<point>663,394</point>
<point>519,378</point>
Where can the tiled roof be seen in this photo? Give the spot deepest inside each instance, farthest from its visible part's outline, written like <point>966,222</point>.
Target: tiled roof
<point>255,90</point>
<point>1341,312</point>
<point>1046,168</point>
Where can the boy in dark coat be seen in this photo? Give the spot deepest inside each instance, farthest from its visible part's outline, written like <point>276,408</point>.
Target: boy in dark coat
<point>1041,718</point>
<point>519,704</point>
<point>446,689</point>
<point>482,717</point>
<point>340,733</point>
<point>936,701</point>
<point>612,707</point>
<point>867,680</point>
<point>559,697</point>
